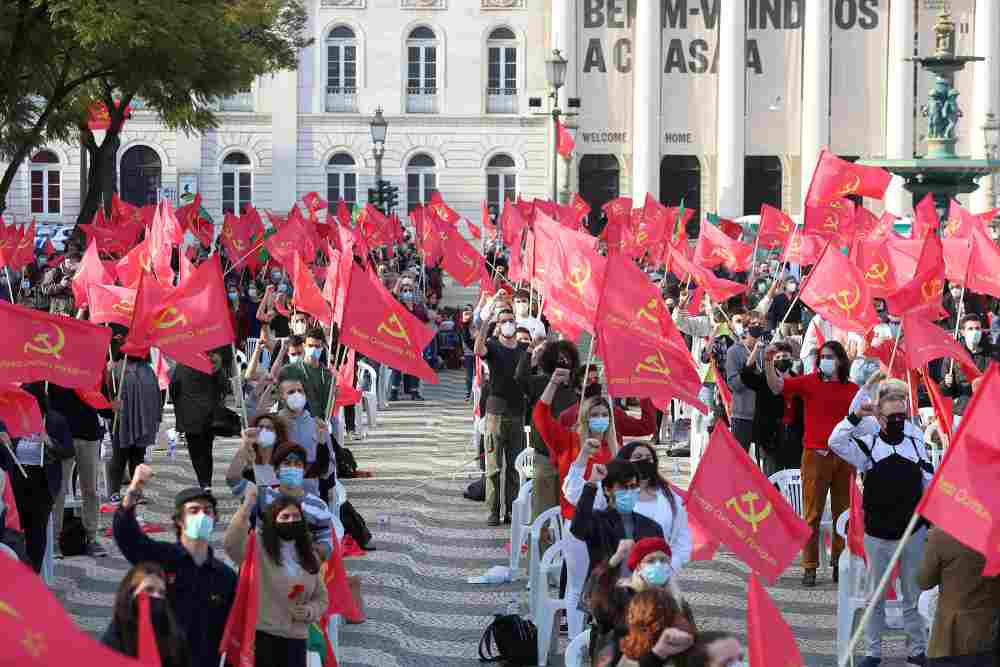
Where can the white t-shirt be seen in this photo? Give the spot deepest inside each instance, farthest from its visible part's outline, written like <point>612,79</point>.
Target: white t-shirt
<point>675,527</point>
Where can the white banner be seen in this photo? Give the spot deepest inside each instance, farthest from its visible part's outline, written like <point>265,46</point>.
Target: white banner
<point>604,58</point>
<point>773,76</point>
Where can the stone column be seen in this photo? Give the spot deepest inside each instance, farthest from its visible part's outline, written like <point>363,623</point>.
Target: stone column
<point>284,139</point>
<point>731,108</point>
<point>986,93</point>
<point>815,88</point>
<point>899,102</point>
<point>646,102</point>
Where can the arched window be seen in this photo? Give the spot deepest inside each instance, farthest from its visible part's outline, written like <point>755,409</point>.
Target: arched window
<point>46,184</point>
<point>761,183</point>
<point>501,180</point>
<point>341,70</point>
<point>680,180</point>
<point>501,80</point>
<point>341,180</point>
<point>141,172</point>
<point>421,71</point>
<point>237,183</point>
<point>421,180</point>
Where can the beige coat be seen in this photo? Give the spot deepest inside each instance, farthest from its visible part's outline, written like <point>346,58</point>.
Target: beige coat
<point>968,603</point>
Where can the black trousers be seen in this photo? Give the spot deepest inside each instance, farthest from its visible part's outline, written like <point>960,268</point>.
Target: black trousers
<point>272,651</point>
<point>34,504</point>
<point>130,456</point>
<point>349,417</point>
<point>200,449</point>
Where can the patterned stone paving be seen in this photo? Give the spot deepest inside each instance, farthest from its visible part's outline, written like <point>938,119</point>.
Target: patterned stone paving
<point>430,540</point>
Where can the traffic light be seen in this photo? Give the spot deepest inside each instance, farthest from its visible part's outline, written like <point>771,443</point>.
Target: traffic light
<point>391,199</point>
<point>383,194</point>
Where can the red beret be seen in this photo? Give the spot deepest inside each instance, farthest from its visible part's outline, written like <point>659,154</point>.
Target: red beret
<point>644,547</point>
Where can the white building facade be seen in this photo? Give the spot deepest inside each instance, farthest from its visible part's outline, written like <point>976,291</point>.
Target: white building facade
<point>671,104</point>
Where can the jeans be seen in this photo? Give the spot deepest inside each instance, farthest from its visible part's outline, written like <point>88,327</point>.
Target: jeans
<point>470,372</point>
<point>411,385</point>
<point>879,554</point>
<point>88,453</point>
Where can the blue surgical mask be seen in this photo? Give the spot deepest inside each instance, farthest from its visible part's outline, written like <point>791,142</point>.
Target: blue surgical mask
<point>199,526</point>
<point>314,352</point>
<point>598,424</point>
<point>289,476</point>
<point>656,574</point>
<point>827,367</point>
<point>625,500</point>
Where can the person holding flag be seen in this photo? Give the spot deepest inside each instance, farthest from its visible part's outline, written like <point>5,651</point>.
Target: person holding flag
<point>955,384</point>
<point>896,469</point>
<point>202,588</point>
<point>125,632</point>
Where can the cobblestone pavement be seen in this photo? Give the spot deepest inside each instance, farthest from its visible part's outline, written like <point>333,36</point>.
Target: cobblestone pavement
<point>430,540</point>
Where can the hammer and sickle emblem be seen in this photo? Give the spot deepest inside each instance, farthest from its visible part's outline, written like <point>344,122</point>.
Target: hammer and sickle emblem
<point>169,317</point>
<point>654,363</point>
<point>227,231</point>
<point>468,261</point>
<point>877,272</point>
<point>124,307</point>
<point>830,222</point>
<point>41,344</point>
<point>795,246</point>
<point>648,310</point>
<point>850,187</point>
<point>579,275</point>
<point>238,244</point>
<point>845,300</point>
<point>641,236</point>
<point>9,610</point>
<point>783,226</point>
<point>751,516</point>
<point>953,226</point>
<point>931,288</point>
<point>393,327</point>
<point>725,253</point>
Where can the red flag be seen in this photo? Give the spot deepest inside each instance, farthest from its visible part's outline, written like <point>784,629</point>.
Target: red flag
<point>574,272</point>
<point>942,406</point>
<point>109,303</point>
<point>715,248</point>
<point>770,641</point>
<point>48,249</point>
<point>872,257</point>
<point>619,215</point>
<point>20,412</point>
<point>239,235</point>
<point>775,227</point>
<point>856,523</point>
<point>731,228</point>
<point>147,652</point>
<point>474,231</point>
<point>289,240</point>
<point>63,350</point>
<point>803,249</point>
<point>957,253</point>
<point>836,289</point>
<point>743,509</point>
<point>703,545</point>
<point>962,224</point>
<point>833,221</point>
<point>719,289</point>
<point>306,294</point>
<point>130,267</point>
<point>983,269</point>
<point>94,398</point>
<point>24,252</point>
<point>867,226</point>
<point>926,341</point>
<point>442,210</point>
<point>37,628</point>
<point>486,222</point>
<point>343,213</point>
<point>239,636</point>
<point>314,203</point>
<point>925,218</point>
<point>580,207</point>
<point>112,240</point>
<point>462,261</point>
<point>651,227</point>
<point>512,222</point>
<point>922,294</point>
<point>725,393</point>
<point>90,272</point>
<point>834,178</point>
<point>564,141</point>
<point>378,326</point>
<point>963,498</point>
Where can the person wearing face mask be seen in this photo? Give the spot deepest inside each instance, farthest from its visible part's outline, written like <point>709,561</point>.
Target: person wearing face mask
<point>775,429</point>
<point>956,383</point>
<point>298,324</point>
<point>893,460</point>
<point>198,397</point>
<point>467,331</point>
<point>741,411</point>
<point>826,397</point>
<point>57,284</point>
<point>122,634</point>
<point>959,302</point>
<point>780,305</point>
<point>292,593</point>
<point>201,588</point>
<point>315,376</point>
<point>410,298</point>
<point>313,435</point>
<point>268,312</point>
<point>252,461</point>
<point>524,317</point>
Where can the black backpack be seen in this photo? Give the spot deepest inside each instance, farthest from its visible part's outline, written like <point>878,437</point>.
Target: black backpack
<point>354,525</point>
<point>476,491</point>
<point>515,639</point>
<point>73,539</point>
<point>346,465</point>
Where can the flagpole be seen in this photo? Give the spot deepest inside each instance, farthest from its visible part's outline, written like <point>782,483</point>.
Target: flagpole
<point>802,286</point>
<point>6,273</point>
<point>118,395</point>
<point>958,321</point>
<point>237,263</point>
<point>753,257</point>
<point>848,654</point>
<point>895,347</point>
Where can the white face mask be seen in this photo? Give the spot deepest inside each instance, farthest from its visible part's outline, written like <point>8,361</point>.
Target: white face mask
<point>294,358</point>
<point>252,292</point>
<point>956,293</point>
<point>266,437</point>
<point>738,328</point>
<point>972,336</point>
<point>791,288</point>
<point>298,328</point>
<point>507,329</point>
<point>827,367</point>
<point>296,401</point>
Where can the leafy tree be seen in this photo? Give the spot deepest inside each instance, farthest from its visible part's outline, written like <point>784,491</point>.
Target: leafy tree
<point>179,57</point>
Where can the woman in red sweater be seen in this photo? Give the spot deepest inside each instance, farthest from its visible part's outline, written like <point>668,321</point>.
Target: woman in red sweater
<point>595,428</point>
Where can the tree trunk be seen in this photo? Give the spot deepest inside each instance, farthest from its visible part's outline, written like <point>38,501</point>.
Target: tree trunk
<point>100,177</point>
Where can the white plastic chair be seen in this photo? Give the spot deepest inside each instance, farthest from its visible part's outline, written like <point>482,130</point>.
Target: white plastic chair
<point>852,592</point>
<point>578,649</point>
<point>336,501</point>
<point>545,606</point>
<point>368,377</point>
<point>789,482</point>
<point>537,577</point>
<point>524,464</point>
<point>520,522</point>
<point>49,561</point>
<point>384,385</point>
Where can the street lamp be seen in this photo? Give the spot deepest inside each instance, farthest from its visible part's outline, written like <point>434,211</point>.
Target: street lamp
<point>380,127</point>
<point>991,146</point>
<point>555,74</point>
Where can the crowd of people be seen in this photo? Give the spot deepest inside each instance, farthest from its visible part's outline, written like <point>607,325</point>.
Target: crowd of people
<point>794,390</point>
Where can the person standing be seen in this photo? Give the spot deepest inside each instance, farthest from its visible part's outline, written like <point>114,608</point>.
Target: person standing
<point>140,410</point>
<point>409,297</point>
<point>468,332</point>
<point>200,587</point>
<point>956,384</point>
<point>826,398</point>
<point>85,426</point>
<point>57,284</point>
<point>748,331</point>
<point>785,311</point>
<point>504,414</point>
<point>779,441</point>
<point>894,462</point>
<point>524,317</point>
<point>197,397</point>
